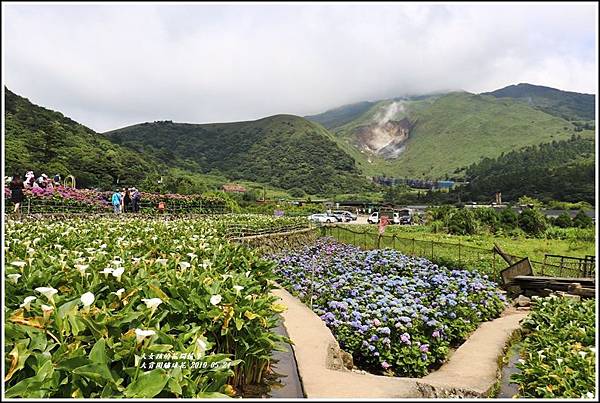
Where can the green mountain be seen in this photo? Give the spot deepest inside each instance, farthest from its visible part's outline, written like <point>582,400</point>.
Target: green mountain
<point>285,151</point>
<point>45,141</point>
<point>560,170</point>
<point>564,104</point>
<point>341,115</point>
<point>438,136</point>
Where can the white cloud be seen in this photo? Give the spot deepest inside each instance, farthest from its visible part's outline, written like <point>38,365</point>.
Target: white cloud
<point>110,65</point>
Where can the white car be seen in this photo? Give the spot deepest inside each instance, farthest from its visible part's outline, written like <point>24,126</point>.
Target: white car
<point>322,218</point>
<point>374,218</point>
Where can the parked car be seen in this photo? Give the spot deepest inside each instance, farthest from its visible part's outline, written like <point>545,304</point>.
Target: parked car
<point>405,216</point>
<point>373,218</point>
<point>342,216</point>
<point>393,217</point>
<point>322,218</point>
<point>347,213</point>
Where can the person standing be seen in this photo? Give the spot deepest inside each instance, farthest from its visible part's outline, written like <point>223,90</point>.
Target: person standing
<point>135,200</point>
<point>16,193</point>
<point>116,201</point>
<point>127,201</point>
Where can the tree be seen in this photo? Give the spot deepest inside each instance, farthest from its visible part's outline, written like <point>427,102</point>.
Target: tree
<point>463,222</point>
<point>581,220</point>
<point>489,218</point>
<point>532,221</point>
<point>563,221</point>
<point>529,201</point>
<point>509,219</point>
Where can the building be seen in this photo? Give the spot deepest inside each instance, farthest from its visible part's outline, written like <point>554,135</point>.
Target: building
<point>233,188</point>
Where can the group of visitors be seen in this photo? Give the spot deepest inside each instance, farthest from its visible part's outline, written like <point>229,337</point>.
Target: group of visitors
<point>42,181</point>
<point>18,185</point>
<point>126,201</point>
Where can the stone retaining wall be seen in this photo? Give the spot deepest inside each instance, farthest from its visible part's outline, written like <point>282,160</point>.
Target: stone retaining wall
<point>276,242</point>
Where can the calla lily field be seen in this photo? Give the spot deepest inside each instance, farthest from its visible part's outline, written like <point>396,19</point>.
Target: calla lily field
<point>87,299</point>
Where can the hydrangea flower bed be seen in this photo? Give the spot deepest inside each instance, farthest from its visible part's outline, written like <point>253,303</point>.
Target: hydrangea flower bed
<point>397,315</point>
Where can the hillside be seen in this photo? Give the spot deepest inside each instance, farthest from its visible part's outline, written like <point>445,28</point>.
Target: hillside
<point>436,137</point>
<point>283,150</point>
<point>341,115</point>
<point>42,140</point>
<point>561,170</point>
<point>564,104</point>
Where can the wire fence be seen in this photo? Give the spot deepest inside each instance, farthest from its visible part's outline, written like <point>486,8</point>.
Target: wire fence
<point>460,255</point>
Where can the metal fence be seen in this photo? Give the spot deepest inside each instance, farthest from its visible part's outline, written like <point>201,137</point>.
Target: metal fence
<point>458,254</point>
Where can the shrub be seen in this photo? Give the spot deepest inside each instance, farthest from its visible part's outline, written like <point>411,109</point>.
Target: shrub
<point>463,222</point>
<point>563,221</point>
<point>509,219</point>
<point>532,221</point>
<point>489,218</point>
<point>581,220</point>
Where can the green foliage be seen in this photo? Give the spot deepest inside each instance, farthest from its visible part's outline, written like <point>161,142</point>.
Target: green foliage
<point>532,221</point>
<point>558,355</point>
<point>488,218</point>
<point>581,220</point>
<point>563,221</point>
<point>297,192</point>
<point>530,201</point>
<point>509,219</point>
<point>283,150</point>
<point>560,170</point>
<point>463,222</point>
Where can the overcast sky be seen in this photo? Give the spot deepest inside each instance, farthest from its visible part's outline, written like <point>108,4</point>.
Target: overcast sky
<point>111,65</point>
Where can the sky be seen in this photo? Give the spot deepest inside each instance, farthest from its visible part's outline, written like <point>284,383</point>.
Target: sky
<point>109,65</point>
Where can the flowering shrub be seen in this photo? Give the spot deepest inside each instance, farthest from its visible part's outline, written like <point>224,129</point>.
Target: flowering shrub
<point>395,314</point>
<point>87,301</point>
<point>54,198</point>
<point>558,354</point>
<point>66,196</point>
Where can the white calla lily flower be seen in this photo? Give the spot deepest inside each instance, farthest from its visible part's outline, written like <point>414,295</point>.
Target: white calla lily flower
<point>87,299</point>
<point>14,278</point>
<point>118,272</point>
<point>119,292</point>
<point>140,334</point>
<point>47,310</point>
<point>106,271</point>
<point>238,288</point>
<point>184,265</point>
<point>152,303</point>
<point>162,261</point>
<point>82,268</point>
<point>216,299</point>
<point>27,302</point>
<point>48,292</point>
<point>18,263</point>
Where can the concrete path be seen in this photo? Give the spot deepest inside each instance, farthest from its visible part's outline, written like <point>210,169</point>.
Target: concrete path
<point>471,371</point>
<point>473,368</point>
